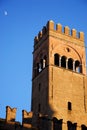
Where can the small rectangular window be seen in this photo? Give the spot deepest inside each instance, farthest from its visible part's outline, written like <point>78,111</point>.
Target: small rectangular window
<point>69,106</point>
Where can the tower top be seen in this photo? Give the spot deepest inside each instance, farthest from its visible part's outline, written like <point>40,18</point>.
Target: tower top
<point>65,31</point>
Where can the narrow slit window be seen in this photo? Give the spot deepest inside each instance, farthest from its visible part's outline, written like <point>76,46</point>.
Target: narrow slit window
<point>69,106</point>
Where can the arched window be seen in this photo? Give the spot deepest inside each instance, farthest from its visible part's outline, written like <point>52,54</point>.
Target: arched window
<point>71,126</point>
<point>83,127</point>
<point>77,66</point>
<point>70,63</point>
<point>63,61</point>
<point>56,59</point>
<point>57,124</point>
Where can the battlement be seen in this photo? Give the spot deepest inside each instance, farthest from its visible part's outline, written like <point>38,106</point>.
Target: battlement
<point>27,118</point>
<point>11,115</point>
<point>59,30</point>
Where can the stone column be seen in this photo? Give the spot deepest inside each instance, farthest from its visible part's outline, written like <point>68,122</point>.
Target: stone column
<point>66,63</point>
<point>73,65</point>
<point>59,61</point>
<point>40,67</point>
<point>44,63</point>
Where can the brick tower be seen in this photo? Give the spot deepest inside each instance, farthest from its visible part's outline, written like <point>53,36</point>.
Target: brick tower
<point>59,82</point>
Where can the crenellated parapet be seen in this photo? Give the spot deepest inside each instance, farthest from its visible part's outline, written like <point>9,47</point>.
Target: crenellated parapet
<point>27,118</point>
<point>26,114</point>
<point>50,26</point>
<point>10,123</point>
<point>10,113</point>
<point>40,35</point>
<point>11,118</point>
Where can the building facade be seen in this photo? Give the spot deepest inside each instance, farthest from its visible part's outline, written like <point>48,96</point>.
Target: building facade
<point>59,83</point>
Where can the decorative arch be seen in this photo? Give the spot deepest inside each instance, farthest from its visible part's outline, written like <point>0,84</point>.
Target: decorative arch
<point>75,52</point>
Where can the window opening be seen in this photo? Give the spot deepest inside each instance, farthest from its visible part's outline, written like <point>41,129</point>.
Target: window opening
<point>41,64</point>
<point>69,106</point>
<point>77,66</point>
<point>57,124</point>
<point>63,61</point>
<point>83,127</point>
<point>70,64</point>
<point>37,68</point>
<point>56,59</point>
<point>67,49</point>
<point>71,126</point>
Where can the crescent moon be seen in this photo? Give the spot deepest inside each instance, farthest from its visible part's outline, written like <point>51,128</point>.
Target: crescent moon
<point>5,13</point>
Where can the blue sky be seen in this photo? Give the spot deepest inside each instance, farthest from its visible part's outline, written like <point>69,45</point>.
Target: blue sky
<point>20,22</point>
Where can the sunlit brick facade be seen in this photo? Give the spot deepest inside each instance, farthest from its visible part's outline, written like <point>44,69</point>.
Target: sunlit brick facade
<point>59,83</point>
